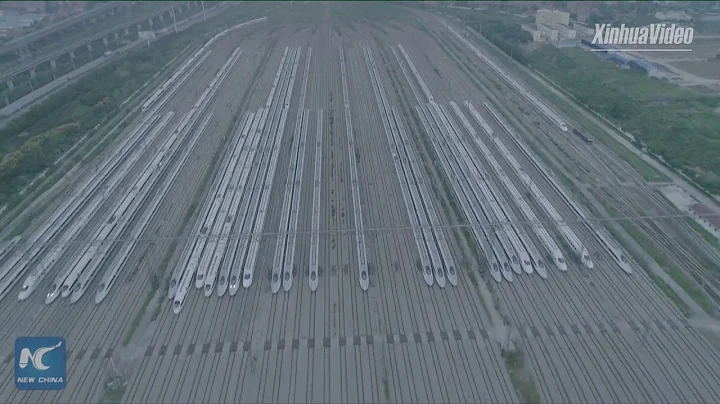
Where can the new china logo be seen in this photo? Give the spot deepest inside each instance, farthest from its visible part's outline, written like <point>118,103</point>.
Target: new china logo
<point>40,363</point>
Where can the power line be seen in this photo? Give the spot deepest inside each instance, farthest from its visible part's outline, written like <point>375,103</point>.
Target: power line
<point>383,229</point>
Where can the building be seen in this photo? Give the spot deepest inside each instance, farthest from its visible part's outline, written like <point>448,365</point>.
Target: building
<point>551,25</point>
<point>552,18</point>
<point>622,59</point>
<point>14,23</point>
<point>546,33</point>
<point>537,35</point>
<point>707,217</point>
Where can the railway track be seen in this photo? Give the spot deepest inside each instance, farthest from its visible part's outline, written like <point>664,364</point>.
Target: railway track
<point>600,165</point>
<point>449,379</point>
<point>589,335</point>
<point>93,328</point>
<point>521,314</point>
<point>285,248</point>
<point>430,261</point>
<point>277,107</point>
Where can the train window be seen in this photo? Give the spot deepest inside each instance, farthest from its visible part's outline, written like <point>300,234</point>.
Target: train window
<point>495,267</point>
<point>561,260</point>
<point>623,258</point>
<point>514,259</point>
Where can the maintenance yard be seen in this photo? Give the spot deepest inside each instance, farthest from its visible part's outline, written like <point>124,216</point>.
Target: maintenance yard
<point>332,209</point>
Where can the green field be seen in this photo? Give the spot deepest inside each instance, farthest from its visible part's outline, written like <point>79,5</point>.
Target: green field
<point>681,125</point>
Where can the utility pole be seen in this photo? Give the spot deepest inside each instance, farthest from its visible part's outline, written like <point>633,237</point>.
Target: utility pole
<point>174,21</point>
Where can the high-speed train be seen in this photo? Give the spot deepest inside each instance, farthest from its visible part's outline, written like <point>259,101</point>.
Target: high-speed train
<point>552,116</point>
<point>618,256</point>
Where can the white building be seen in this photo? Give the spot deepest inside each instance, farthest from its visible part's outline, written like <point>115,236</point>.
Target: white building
<point>551,25</point>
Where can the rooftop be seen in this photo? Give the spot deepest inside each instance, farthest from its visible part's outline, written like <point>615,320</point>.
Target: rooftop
<point>707,213</point>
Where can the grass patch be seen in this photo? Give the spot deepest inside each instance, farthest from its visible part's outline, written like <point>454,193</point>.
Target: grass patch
<point>695,292</point>
<point>689,286</point>
<point>712,240</point>
<point>668,291</point>
<point>114,394</point>
<point>473,279</point>
<point>156,279</point>
<point>522,383</point>
<point>138,317</point>
<point>664,287</point>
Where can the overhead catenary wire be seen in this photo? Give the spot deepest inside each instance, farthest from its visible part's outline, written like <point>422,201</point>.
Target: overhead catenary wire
<point>383,229</point>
